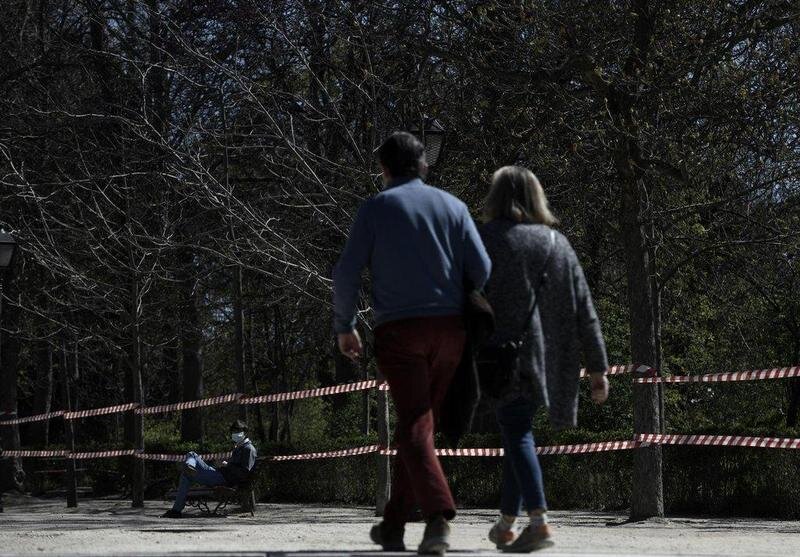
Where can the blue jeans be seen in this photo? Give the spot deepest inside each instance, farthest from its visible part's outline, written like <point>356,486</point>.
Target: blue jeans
<point>206,475</point>
<point>522,476</point>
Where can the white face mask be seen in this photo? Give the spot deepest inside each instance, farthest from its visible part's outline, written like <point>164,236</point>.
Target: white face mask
<point>237,437</point>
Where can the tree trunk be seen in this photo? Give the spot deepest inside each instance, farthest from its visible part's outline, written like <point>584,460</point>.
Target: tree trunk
<point>250,370</point>
<point>647,489</point>
<point>70,482</point>
<point>135,364</point>
<point>43,393</point>
<point>794,384</point>
<point>238,338</point>
<point>191,346</point>
<point>9,361</point>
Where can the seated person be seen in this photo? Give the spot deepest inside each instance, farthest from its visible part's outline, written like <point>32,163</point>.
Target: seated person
<point>231,473</point>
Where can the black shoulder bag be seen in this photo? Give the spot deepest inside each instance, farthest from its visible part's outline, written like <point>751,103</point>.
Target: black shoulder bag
<point>498,364</point>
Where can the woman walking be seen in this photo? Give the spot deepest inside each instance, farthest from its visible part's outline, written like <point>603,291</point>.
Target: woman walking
<point>542,305</point>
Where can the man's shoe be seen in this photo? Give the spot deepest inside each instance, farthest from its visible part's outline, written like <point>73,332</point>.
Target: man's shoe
<point>172,514</point>
<point>530,539</point>
<point>436,540</point>
<point>389,537</point>
<point>501,537</point>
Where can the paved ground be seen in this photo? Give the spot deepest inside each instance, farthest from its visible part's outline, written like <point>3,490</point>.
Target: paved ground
<point>108,527</point>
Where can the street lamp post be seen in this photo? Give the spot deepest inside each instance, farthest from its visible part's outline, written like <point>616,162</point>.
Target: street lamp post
<point>432,136</point>
<point>8,247</point>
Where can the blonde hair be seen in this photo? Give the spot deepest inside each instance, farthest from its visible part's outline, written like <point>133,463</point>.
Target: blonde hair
<point>516,194</point>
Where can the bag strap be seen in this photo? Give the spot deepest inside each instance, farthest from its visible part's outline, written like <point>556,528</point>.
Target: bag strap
<point>542,278</point>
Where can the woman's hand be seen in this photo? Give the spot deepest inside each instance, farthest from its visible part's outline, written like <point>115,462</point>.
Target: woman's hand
<point>599,387</point>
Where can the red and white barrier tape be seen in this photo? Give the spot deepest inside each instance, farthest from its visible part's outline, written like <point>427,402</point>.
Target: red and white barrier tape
<point>551,450</point>
<point>211,401</point>
<point>36,418</point>
<point>645,374</point>
<point>583,448</point>
<point>328,454</point>
<point>101,454</point>
<point>33,454</point>
<point>718,441</point>
<point>752,375</point>
<point>621,370</point>
<point>180,457</point>
<point>241,399</point>
<point>311,393</point>
<point>100,411</point>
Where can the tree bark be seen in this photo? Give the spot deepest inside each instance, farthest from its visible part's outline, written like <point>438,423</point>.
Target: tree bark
<point>70,481</point>
<point>43,393</point>
<point>191,347</point>
<point>135,364</point>
<point>250,369</point>
<point>794,384</point>
<point>647,490</point>
<point>238,338</point>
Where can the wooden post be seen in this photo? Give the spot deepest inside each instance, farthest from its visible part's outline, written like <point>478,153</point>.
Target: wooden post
<point>384,478</point>
<point>70,484</point>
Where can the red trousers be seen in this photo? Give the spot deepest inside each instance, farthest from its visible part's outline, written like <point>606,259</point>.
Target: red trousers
<point>418,358</point>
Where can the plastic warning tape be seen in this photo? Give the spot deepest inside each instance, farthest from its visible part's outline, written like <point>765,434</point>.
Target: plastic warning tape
<point>550,450</point>
<point>328,454</point>
<point>211,401</point>
<point>36,418</point>
<point>34,454</point>
<point>718,440</point>
<point>180,457</point>
<point>311,393</point>
<point>621,370</point>
<point>100,411</point>
<point>275,397</point>
<point>583,448</point>
<point>101,454</point>
<point>752,375</point>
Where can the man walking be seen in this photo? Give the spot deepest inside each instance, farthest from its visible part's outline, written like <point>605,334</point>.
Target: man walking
<point>420,244</point>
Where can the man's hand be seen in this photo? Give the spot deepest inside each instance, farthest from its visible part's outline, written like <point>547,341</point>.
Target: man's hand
<point>599,387</point>
<point>350,344</point>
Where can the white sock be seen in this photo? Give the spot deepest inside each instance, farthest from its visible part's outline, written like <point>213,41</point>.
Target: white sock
<point>537,519</point>
<point>505,522</point>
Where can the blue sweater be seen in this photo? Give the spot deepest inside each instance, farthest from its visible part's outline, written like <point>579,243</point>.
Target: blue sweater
<point>420,243</point>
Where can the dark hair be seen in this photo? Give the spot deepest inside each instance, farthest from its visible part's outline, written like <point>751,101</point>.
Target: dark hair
<point>237,426</point>
<point>403,155</point>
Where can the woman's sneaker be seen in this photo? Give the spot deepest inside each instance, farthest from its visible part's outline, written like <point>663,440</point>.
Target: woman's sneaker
<point>436,540</point>
<point>500,536</point>
<point>530,539</point>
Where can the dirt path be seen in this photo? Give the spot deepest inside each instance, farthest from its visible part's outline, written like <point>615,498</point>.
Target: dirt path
<point>104,527</point>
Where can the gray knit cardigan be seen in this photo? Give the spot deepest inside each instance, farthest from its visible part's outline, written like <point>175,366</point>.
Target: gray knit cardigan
<point>565,324</point>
